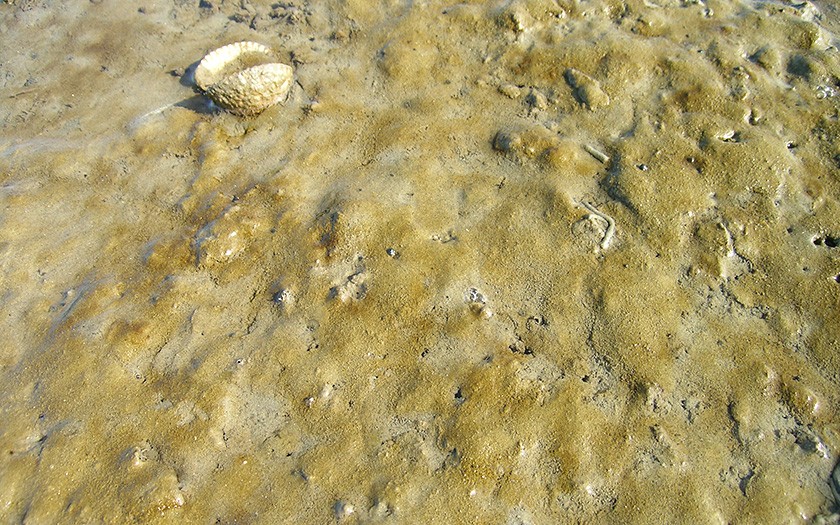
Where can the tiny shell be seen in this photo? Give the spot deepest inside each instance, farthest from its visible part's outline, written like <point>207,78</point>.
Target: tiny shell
<point>243,78</point>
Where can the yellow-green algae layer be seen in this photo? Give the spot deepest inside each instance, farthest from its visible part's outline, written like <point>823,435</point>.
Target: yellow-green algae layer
<point>497,262</point>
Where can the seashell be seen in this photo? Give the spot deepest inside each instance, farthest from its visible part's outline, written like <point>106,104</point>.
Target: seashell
<point>243,78</point>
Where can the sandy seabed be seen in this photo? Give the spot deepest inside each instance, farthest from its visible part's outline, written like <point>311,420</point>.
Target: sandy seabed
<point>504,262</point>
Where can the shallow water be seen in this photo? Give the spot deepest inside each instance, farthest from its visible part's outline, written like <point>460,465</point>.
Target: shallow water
<point>500,262</point>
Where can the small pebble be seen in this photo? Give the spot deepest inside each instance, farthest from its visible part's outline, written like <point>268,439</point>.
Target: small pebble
<point>478,303</point>
<point>537,100</point>
<point>283,298</point>
<point>343,510</point>
<point>587,90</point>
<point>510,91</point>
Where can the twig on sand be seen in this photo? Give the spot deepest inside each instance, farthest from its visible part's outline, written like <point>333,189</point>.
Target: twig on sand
<point>599,155</point>
<point>20,93</point>
<point>140,120</point>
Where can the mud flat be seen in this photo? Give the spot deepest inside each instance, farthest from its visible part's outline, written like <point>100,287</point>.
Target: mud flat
<point>515,262</point>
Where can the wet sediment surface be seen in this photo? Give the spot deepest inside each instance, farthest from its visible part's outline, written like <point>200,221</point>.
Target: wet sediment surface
<point>504,262</point>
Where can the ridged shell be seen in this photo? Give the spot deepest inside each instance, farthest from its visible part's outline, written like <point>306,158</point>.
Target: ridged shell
<point>243,78</point>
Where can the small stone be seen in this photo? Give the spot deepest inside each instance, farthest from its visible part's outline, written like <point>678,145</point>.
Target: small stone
<point>141,454</point>
<point>589,231</point>
<point>353,289</point>
<point>534,142</point>
<point>802,401</point>
<point>478,303</point>
<point>656,400</point>
<point>768,57</point>
<point>510,91</point>
<point>586,89</point>
<point>537,100</point>
<point>283,298</point>
<point>507,141</point>
<point>343,510</point>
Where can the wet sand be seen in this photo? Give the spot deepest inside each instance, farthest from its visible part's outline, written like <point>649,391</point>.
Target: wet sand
<point>515,262</point>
